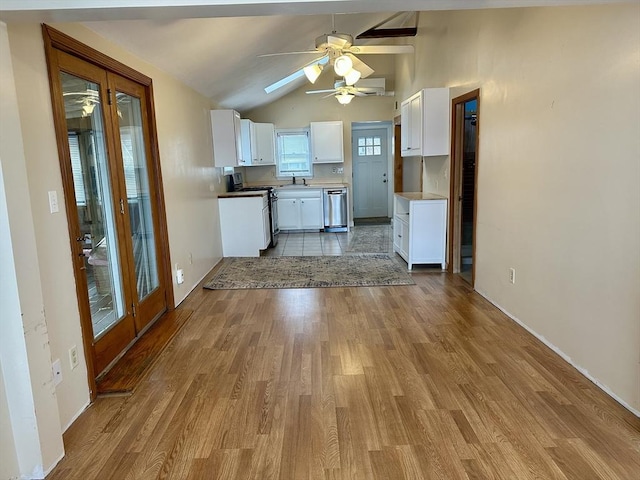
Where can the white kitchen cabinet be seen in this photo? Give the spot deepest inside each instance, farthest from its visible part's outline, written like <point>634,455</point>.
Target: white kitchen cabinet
<point>424,119</point>
<point>300,209</point>
<point>419,228</point>
<point>258,143</point>
<point>327,142</point>
<point>244,224</point>
<point>227,138</point>
<point>288,213</point>
<point>311,213</point>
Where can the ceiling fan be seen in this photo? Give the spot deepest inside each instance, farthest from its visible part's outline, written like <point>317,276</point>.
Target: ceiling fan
<point>338,50</point>
<point>364,88</point>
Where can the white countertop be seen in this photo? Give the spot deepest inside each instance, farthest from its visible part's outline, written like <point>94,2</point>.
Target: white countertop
<point>253,193</point>
<point>420,196</point>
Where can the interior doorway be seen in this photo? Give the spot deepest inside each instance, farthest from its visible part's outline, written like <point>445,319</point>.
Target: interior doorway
<point>464,184</point>
<point>110,169</point>
<point>370,154</point>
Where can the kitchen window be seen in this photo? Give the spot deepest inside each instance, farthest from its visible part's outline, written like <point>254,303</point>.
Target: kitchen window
<point>294,159</point>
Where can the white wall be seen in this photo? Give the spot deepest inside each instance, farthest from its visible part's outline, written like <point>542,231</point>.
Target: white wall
<point>9,468</point>
<point>190,183</point>
<point>559,169</point>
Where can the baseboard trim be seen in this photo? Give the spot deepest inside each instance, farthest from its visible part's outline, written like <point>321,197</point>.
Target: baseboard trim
<point>75,417</point>
<point>564,356</point>
<point>50,469</point>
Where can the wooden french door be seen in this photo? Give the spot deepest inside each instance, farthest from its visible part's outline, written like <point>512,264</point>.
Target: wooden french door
<point>105,140</point>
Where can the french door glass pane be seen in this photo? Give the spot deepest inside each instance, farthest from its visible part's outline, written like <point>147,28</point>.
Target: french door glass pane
<point>138,193</point>
<point>92,186</point>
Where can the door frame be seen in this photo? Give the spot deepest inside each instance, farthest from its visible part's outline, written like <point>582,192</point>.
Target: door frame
<point>455,210</point>
<point>388,126</point>
<point>55,40</point>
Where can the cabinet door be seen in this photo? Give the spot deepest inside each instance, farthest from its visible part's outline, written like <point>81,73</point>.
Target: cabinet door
<point>415,125</point>
<point>248,139</point>
<point>227,139</point>
<point>405,119</point>
<point>288,213</point>
<point>397,234</point>
<point>311,213</point>
<point>404,239</point>
<point>265,144</point>
<point>327,142</point>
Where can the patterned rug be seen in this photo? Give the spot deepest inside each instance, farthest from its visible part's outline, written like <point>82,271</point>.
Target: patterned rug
<point>369,239</point>
<point>308,272</point>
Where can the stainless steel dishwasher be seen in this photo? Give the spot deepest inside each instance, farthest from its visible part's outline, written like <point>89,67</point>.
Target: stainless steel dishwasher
<point>335,210</point>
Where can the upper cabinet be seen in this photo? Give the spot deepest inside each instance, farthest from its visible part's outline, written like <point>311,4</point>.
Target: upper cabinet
<point>227,140</point>
<point>424,119</point>
<point>258,143</point>
<point>327,142</point>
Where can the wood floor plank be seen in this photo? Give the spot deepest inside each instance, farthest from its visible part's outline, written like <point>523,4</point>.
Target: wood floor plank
<point>428,381</point>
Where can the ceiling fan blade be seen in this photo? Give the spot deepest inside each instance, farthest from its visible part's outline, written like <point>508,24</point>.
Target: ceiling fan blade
<point>287,53</point>
<point>381,49</point>
<point>359,65</point>
<point>337,42</point>
<point>321,91</point>
<point>295,75</point>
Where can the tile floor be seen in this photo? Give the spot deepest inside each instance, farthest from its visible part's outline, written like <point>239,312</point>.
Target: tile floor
<point>316,243</point>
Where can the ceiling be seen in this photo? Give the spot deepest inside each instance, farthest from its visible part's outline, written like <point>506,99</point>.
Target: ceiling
<point>213,45</point>
<point>218,57</point>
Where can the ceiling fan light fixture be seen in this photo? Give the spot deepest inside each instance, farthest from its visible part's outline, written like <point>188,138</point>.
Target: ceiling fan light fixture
<point>352,77</point>
<point>342,65</point>
<point>345,98</point>
<point>312,72</point>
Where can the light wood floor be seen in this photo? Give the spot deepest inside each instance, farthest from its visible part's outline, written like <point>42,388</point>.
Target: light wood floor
<point>419,382</point>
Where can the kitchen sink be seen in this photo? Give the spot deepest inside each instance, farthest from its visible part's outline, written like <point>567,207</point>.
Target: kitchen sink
<point>296,185</point>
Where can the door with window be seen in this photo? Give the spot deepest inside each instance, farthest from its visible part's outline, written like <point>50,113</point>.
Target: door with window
<point>370,173</point>
<point>102,122</point>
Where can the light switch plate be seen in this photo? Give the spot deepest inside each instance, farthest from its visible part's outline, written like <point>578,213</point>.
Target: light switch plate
<point>53,201</point>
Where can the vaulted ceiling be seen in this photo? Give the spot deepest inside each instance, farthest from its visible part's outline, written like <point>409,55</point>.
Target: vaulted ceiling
<point>213,45</point>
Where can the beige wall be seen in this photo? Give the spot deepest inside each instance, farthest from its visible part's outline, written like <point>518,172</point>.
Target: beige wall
<point>189,182</point>
<point>559,168</point>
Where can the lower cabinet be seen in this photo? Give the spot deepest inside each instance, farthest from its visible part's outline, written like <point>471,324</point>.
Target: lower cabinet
<point>244,225</point>
<point>419,228</point>
<point>300,209</point>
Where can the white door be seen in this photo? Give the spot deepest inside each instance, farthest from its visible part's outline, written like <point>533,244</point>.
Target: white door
<point>370,175</point>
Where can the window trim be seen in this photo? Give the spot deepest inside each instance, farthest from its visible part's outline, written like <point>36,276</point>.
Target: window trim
<point>293,131</point>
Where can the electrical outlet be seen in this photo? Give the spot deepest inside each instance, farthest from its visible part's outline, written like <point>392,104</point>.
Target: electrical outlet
<point>73,357</point>
<point>179,276</point>
<point>512,275</point>
<point>56,367</point>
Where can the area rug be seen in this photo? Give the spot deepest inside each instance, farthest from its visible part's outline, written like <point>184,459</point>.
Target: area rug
<point>369,239</point>
<point>308,272</point>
